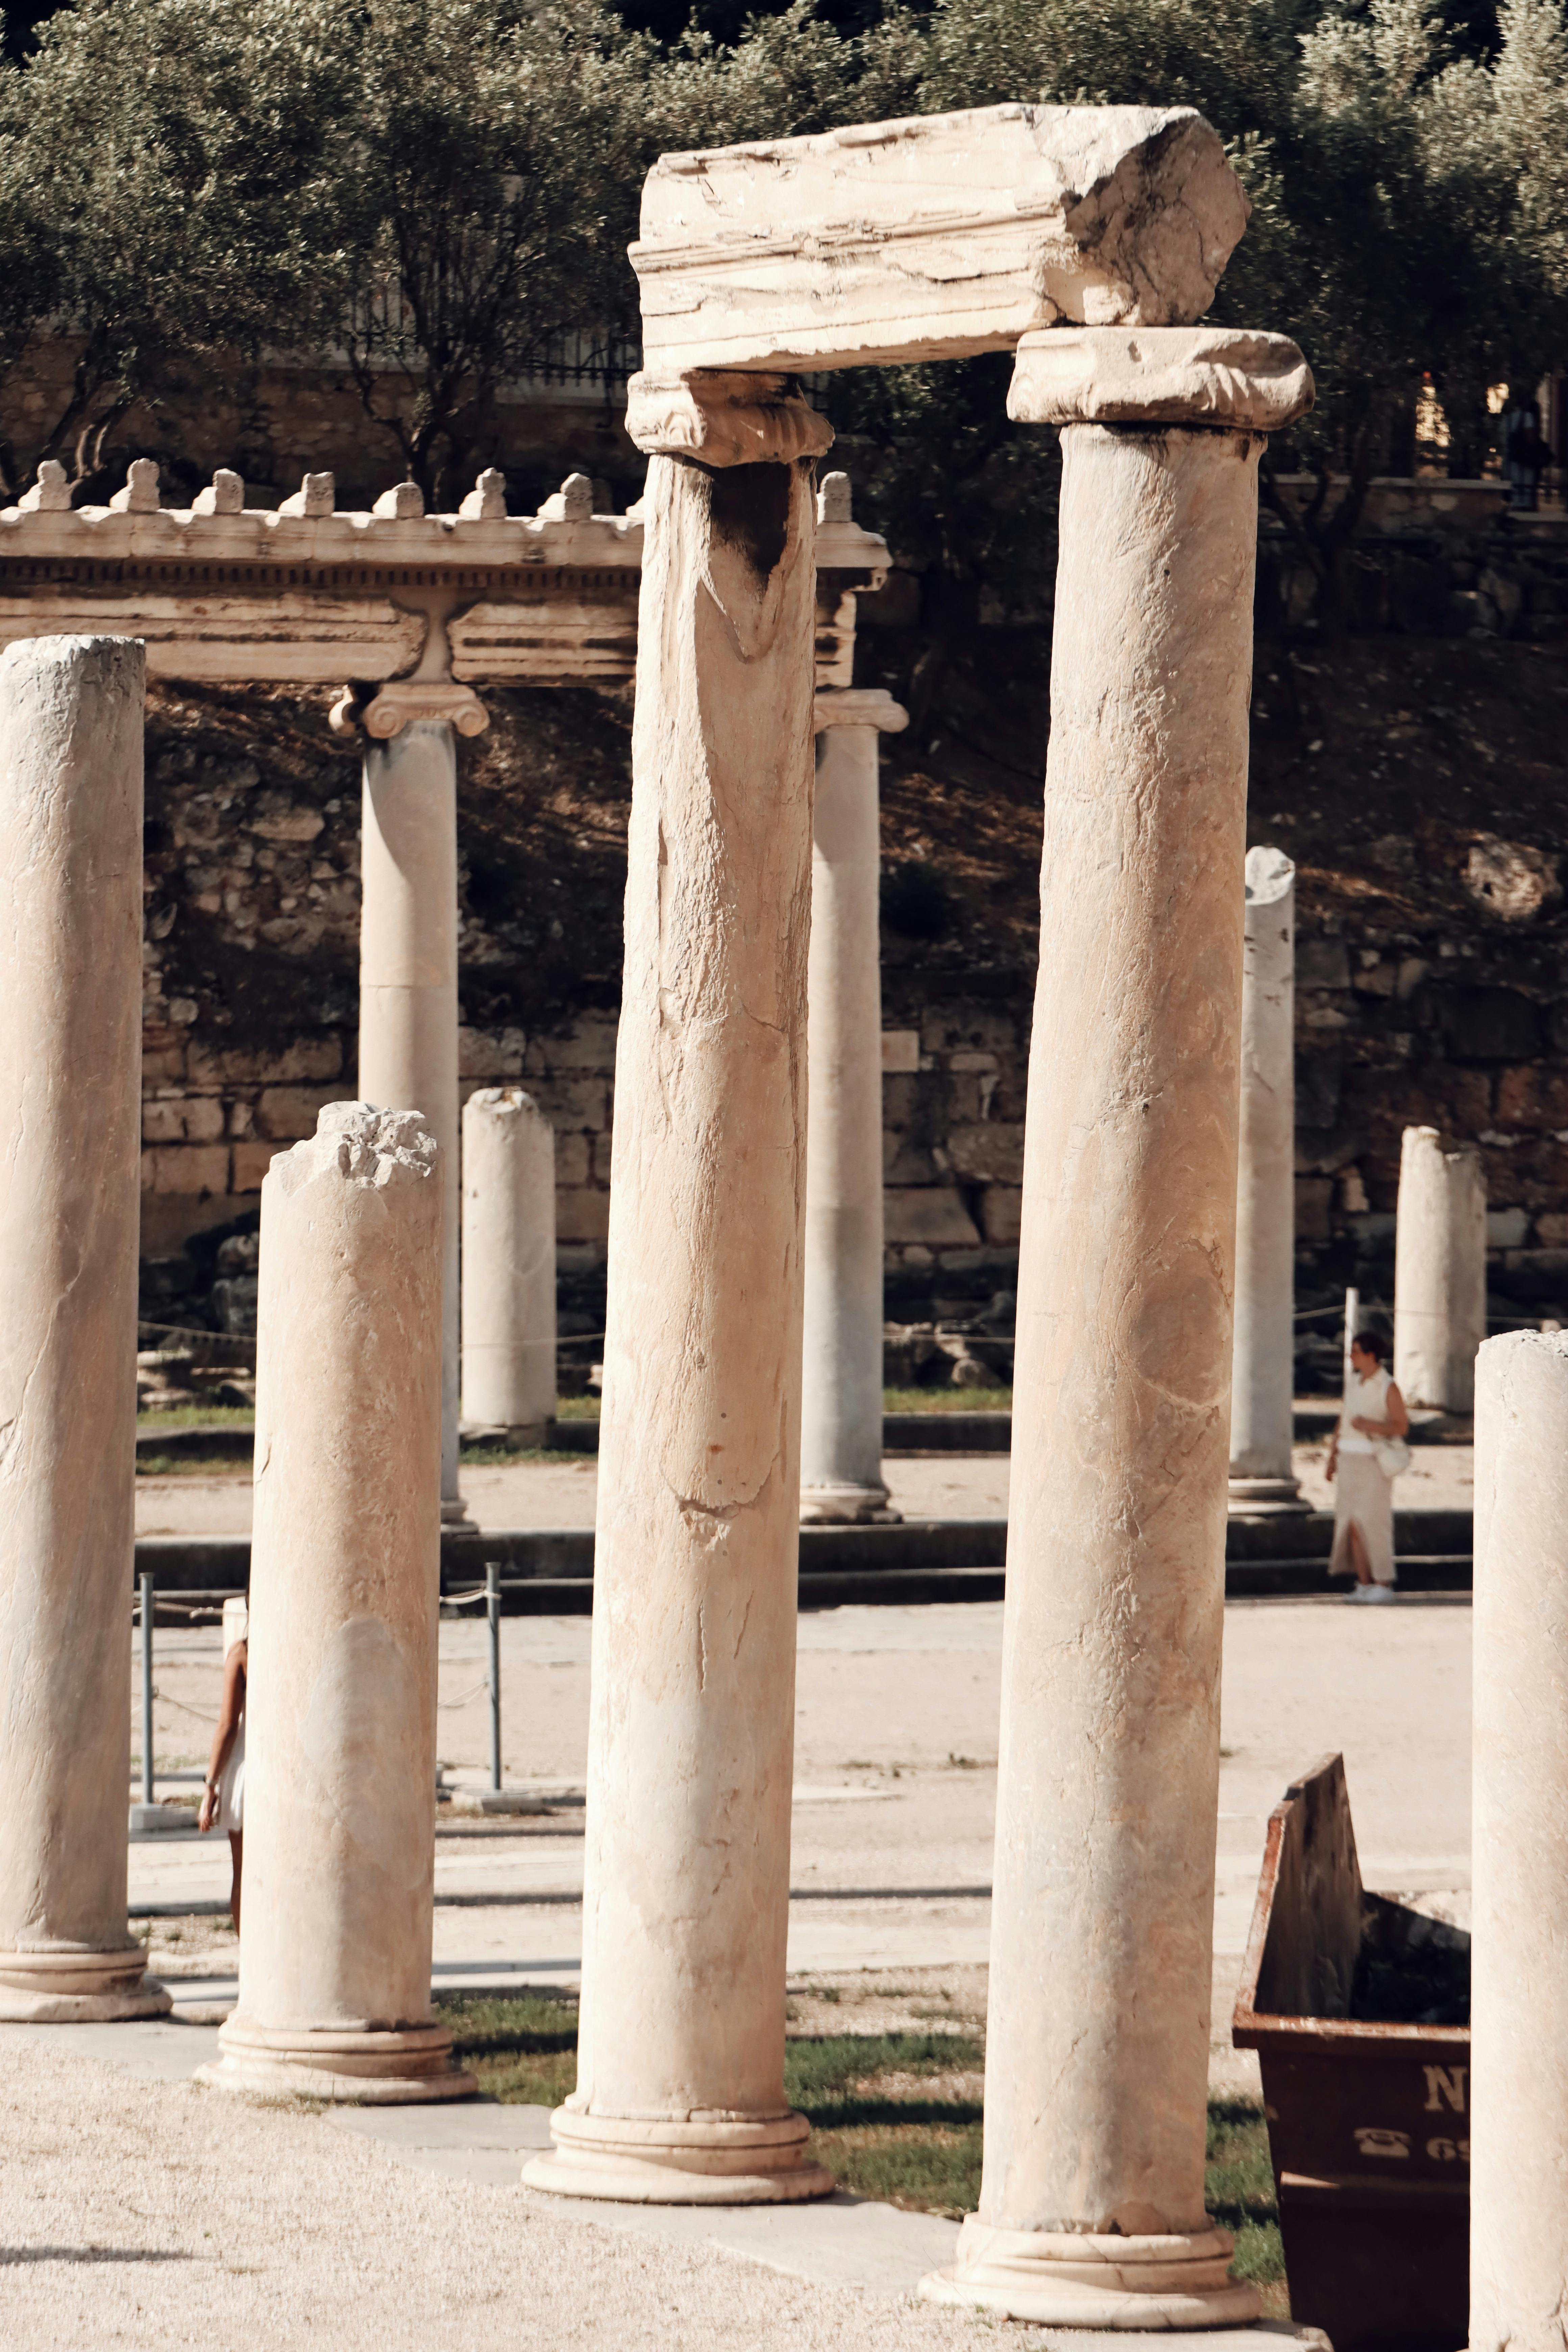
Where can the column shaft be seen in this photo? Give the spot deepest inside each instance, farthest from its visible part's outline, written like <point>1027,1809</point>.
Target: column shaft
<point>1091,2203</point>
<point>1517,2126</point>
<point>509,1260</point>
<point>1263,1362</point>
<point>408,984</point>
<point>334,1972</point>
<point>680,2052</point>
<point>70,1078</point>
<point>841,1428</point>
<point>1439,1270</point>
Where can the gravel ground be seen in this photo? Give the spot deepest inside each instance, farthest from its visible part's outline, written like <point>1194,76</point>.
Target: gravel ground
<point>136,2212</point>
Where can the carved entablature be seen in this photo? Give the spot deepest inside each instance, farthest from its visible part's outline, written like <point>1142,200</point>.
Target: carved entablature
<point>308,595</point>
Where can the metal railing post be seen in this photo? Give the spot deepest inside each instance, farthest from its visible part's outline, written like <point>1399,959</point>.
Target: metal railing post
<point>146,1583</point>
<point>492,1610</point>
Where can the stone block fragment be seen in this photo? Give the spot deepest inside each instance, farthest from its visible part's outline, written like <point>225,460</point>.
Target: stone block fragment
<point>932,237</point>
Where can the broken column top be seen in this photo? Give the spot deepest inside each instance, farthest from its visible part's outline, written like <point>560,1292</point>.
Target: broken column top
<point>932,237</point>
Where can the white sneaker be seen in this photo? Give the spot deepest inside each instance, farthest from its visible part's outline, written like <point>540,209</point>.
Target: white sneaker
<point>1373,1592</point>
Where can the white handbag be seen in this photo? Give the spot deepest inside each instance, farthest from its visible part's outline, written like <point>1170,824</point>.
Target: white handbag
<point>1392,1455</point>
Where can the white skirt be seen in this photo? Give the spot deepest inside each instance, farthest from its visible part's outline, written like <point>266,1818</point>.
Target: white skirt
<point>230,1814</point>
<point>1363,1498</point>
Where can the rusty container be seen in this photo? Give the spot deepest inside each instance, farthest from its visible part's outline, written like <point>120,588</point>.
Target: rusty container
<point>1358,2008</point>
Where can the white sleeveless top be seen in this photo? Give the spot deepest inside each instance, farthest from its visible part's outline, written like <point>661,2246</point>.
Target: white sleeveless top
<point>1365,1400</point>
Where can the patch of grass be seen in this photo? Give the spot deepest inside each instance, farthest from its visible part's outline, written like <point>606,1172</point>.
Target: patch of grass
<point>947,1400</point>
<point>490,1456</point>
<point>583,1407</point>
<point>923,2152</point>
<point>1238,2189</point>
<point>523,2052</point>
<point>199,1416</point>
<point>182,1465</point>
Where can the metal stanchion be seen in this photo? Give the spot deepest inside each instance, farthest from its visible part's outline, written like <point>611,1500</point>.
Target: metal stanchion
<point>146,1583</point>
<point>492,1610</point>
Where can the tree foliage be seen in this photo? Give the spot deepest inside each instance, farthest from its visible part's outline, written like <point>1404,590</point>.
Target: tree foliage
<point>429,193</point>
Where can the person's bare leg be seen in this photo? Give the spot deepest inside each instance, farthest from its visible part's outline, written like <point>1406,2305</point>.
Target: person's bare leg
<point>1359,1558</point>
<point>236,1849</point>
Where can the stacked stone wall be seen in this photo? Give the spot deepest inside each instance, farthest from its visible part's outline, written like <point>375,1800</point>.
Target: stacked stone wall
<point>1418,783</point>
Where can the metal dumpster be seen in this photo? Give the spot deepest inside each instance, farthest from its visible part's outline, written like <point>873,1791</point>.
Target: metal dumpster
<point>1359,2009</point>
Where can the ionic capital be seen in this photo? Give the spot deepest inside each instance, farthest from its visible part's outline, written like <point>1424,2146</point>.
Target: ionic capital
<point>724,416</point>
<point>403,701</point>
<point>1235,378</point>
<point>860,706</point>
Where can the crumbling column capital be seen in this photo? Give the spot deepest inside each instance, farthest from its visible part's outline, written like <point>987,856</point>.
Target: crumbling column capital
<point>724,416</point>
<point>1238,378</point>
<point>859,706</point>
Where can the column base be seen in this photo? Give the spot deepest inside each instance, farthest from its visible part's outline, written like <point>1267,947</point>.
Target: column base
<point>454,1510</point>
<point>1058,2279</point>
<point>707,2160</point>
<point>393,2067</point>
<point>846,1506</point>
<point>1257,1498</point>
<point>67,1987</point>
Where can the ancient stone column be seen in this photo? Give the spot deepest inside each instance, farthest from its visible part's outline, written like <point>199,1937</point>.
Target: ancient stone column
<point>1091,2205</point>
<point>1516,2118</point>
<point>408,984</point>
<point>70,1203</point>
<point>841,1425</point>
<point>508,1261</point>
<point>1439,1270</point>
<point>1263,1361</point>
<point>679,2092</point>
<point>339,1718</point>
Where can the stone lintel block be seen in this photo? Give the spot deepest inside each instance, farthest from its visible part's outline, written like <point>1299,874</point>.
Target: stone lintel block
<point>723,416</point>
<point>1234,377</point>
<point>932,237</point>
<point>931,1213</point>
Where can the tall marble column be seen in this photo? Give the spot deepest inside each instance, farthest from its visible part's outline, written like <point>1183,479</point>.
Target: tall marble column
<point>71,1203</point>
<point>408,985</point>
<point>679,2092</point>
<point>1439,1270</point>
<point>1091,2203</point>
<point>841,1411</point>
<point>1263,1361</point>
<point>340,1717</point>
<point>508,1261</point>
<point>1516,2118</point>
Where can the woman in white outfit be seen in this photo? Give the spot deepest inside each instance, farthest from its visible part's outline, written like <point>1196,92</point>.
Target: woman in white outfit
<point>223,1797</point>
<point>1365,1456</point>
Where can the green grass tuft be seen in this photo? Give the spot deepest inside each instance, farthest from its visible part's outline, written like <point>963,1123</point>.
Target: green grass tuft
<point>920,2152</point>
